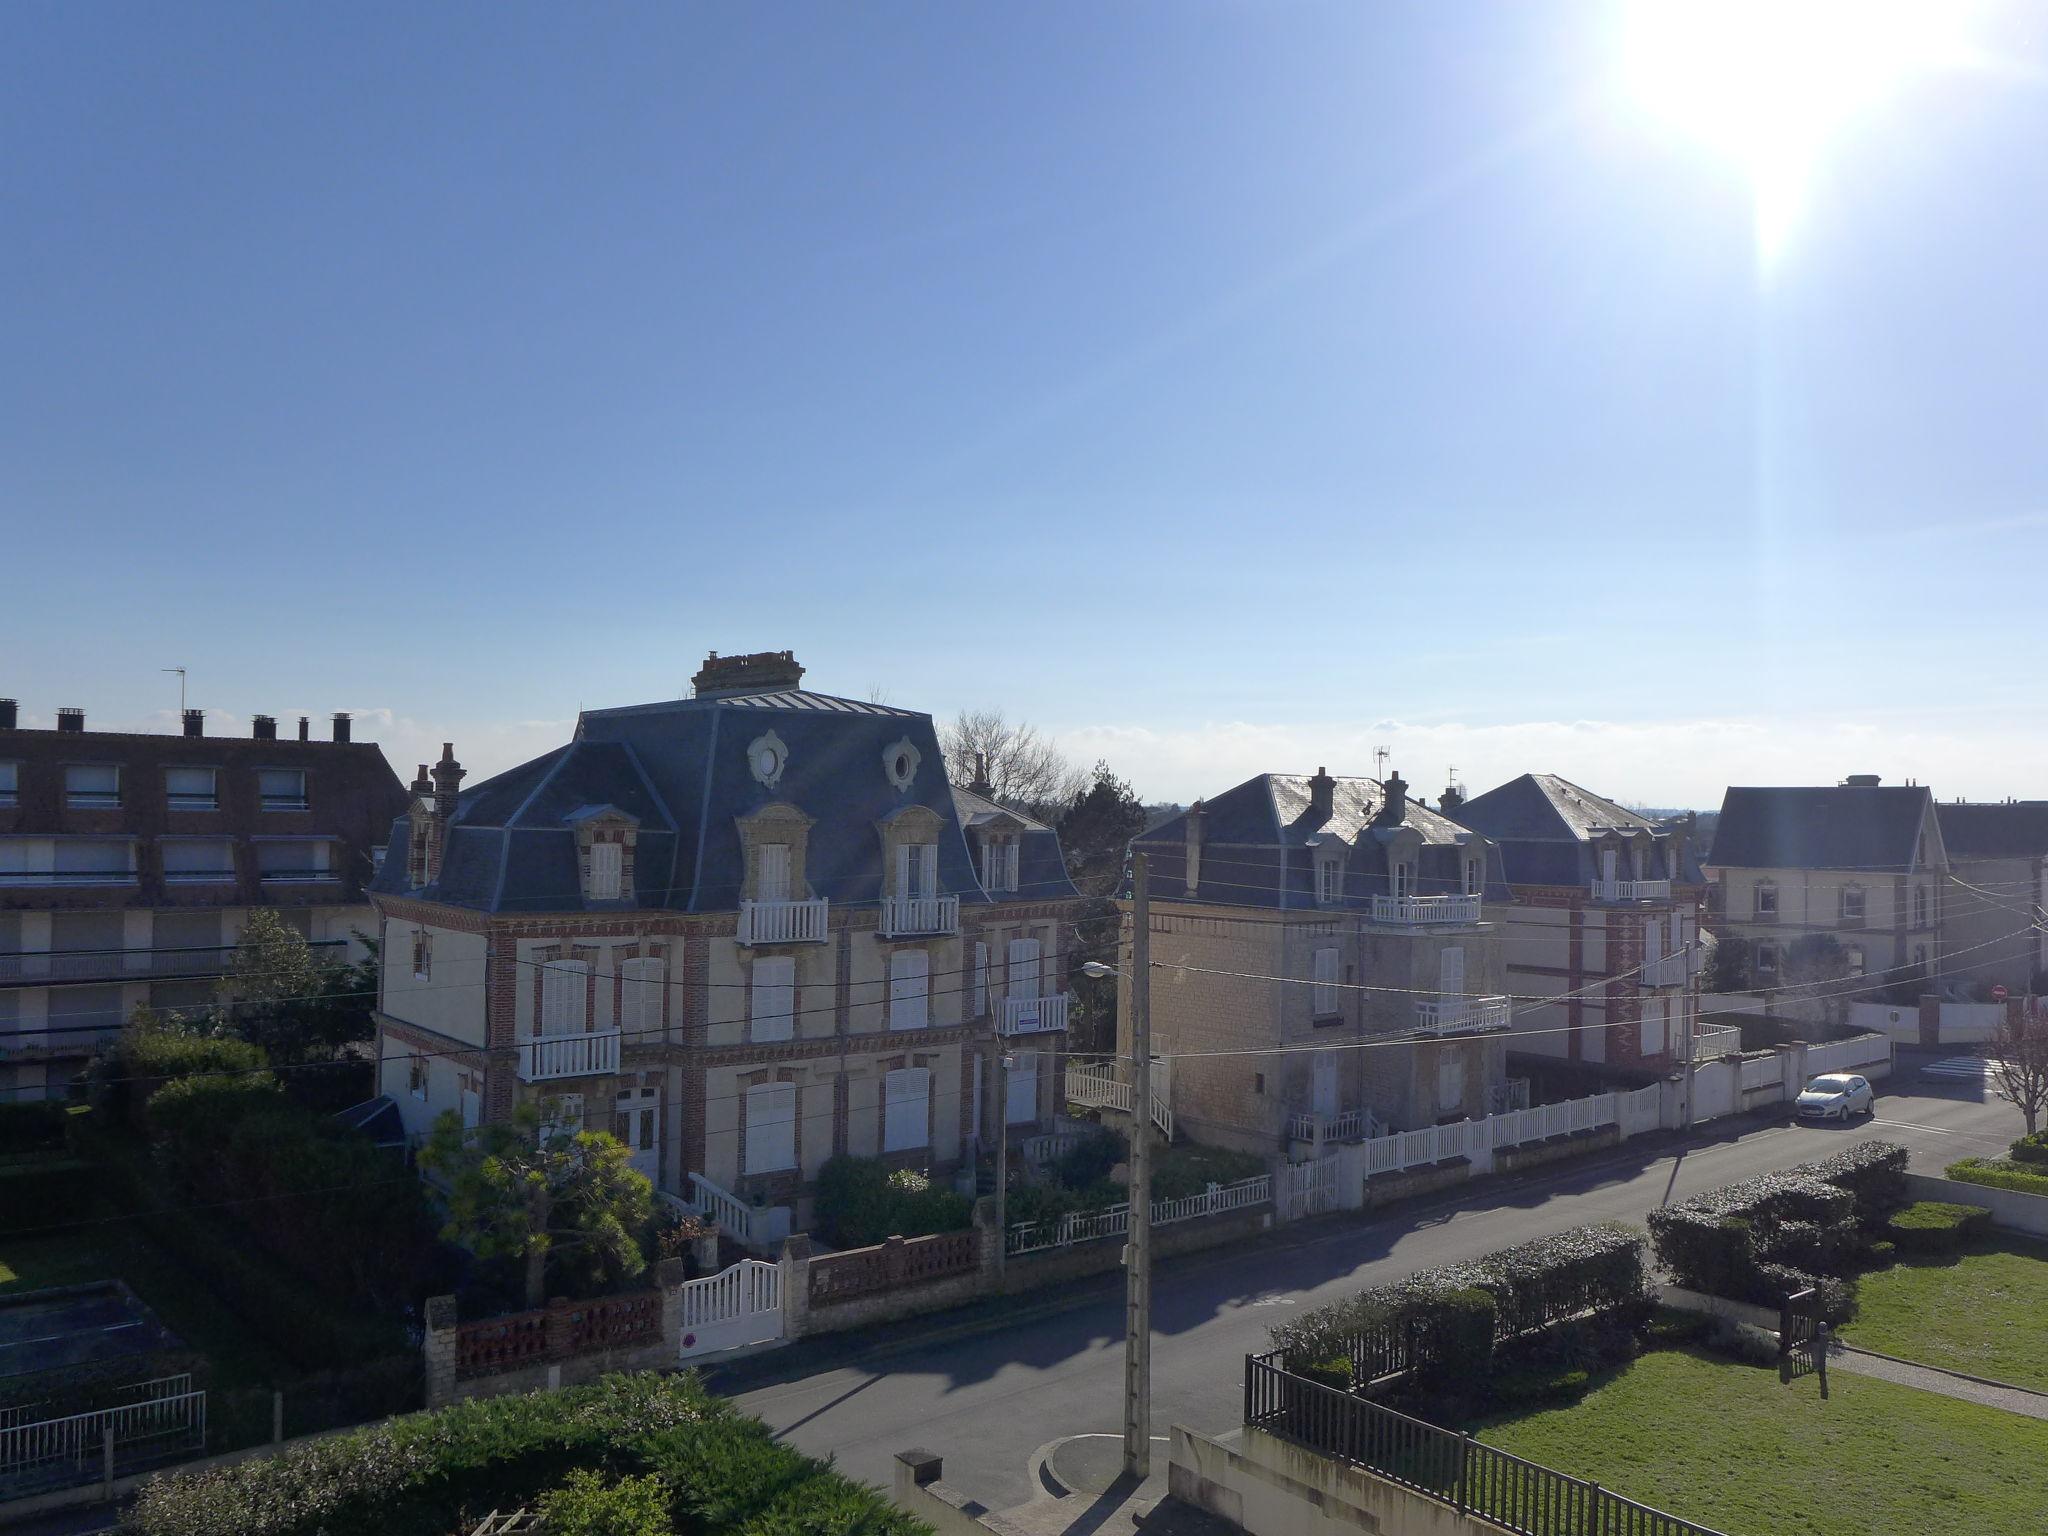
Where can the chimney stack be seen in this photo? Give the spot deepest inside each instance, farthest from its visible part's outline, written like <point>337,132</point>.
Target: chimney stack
<point>421,784</point>
<point>195,722</point>
<point>981,785</point>
<point>1322,796</point>
<point>1197,831</point>
<point>341,724</point>
<point>264,728</point>
<point>447,782</point>
<point>760,672</point>
<point>70,719</point>
<point>1453,800</point>
<point>9,714</point>
<point>305,729</point>
<point>1396,807</point>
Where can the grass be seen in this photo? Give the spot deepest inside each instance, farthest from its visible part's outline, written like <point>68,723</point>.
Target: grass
<point>1979,1312</point>
<point>1727,1446</point>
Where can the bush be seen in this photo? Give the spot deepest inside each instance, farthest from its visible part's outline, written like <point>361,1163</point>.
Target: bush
<point>2032,1149</point>
<point>34,1127</point>
<point>1874,1174</point>
<point>861,1202</point>
<point>1529,1387</point>
<point>589,1505</point>
<point>150,1055</point>
<point>1191,1168</point>
<point>1992,1174</point>
<point>1675,1328</point>
<point>1089,1161</point>
<point>1334,1372</point>
<point>432,1473</point>
<point>44,1194</point>
<point>1739,1341</point>
<point>1932,1226</point>
<point>1881,1254</point>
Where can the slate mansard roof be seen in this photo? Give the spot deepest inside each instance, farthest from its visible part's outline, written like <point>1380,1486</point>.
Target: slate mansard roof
<point>1546,827</point>
<point>2011,829</point>
<point>1256,839</point>
<point>1849,826</point>
<point>684,771</point>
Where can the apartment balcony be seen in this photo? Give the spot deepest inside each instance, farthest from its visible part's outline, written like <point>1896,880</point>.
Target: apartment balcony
<point>1420,911</point>
<point>1666,971</point>
<point>547,1057</point>
<point>1032,1015</point>
<point>1462,1015</point>
<point>907,916</point>
<point>1631,890</point>
<point>40,968</point>
<point>783,922</point>
<point>1351,1125</point>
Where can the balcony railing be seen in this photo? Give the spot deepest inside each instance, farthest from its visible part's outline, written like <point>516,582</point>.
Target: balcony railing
<point>1665,971</point>
<point>37,967</point>
<point>1426,909</point>
<point>1461,1015</point>
<point>1712,1041</point>
<point>550,1056</point>
<point>1352,1125</point>
<point>1098,1087</point>
<point>1032,1015</point>
<point>903,915</point>
<point>783,922</point>
<point>48,877</point>
<point>1631,890</point>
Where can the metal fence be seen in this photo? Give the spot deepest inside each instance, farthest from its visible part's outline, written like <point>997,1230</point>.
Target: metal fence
<point>1452,1468</point>
<point>162,1419</point>
<point>1115,1220</point>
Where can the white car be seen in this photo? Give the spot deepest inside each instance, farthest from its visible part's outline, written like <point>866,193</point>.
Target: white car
<point>1836,1096</point>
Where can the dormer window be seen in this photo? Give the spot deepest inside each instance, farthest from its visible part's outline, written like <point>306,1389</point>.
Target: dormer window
<point>605,836</point>
<point>422,954</point>
<point>917,870</point>
<point>772,879</point>
<point>607,865</point>
<point>1852,903</point>
<point>1401,875</point>
<point>999,863</point>
<point>1329,879</point>
<point>1475,877</point>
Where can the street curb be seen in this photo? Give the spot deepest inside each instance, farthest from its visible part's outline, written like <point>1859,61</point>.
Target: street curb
<point>1940,1370</point>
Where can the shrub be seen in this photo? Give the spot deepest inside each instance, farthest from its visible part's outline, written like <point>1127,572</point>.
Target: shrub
<point>1739,1341</point>
<point>1190,1168</point>
<point>2032,1149</point>
<point>150,1055</point>
<point>1881,1254</point>
<point>1932,1226</point>
<point>1874,1174</point>
<point>2000,1175</point>
<point>1460,1338</point>
<point>589,1505</point>
<point>34,1127</point>
<point>44,1194</point>
<point>1333,1372</point>
<point>1089,1161</point>
<point>1522,1387</point>
<point>1673,1327</point>
<point>860,1202</point>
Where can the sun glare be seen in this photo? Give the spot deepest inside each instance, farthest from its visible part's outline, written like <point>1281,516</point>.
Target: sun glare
<point>1770,80</point>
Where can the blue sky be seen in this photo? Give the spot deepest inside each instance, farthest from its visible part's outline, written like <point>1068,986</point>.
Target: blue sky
<point>1221,387</point>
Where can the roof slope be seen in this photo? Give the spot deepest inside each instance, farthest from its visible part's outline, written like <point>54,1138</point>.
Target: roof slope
<point>1836,827</point>
<point>1545,826</point>
<point>2013,829</point>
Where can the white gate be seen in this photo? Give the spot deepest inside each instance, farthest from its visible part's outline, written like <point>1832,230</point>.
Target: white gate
<point>743,1305</point>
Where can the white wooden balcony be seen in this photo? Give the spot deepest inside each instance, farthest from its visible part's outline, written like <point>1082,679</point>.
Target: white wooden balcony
<point>1412,911</point>
<point>903,916</point>
<point>1462,1015</point>
<point>1665,971</point>
<point>1099,1087</point>
<point>546,1057</point>
<point>783,922</point>
<point>1351,1125</point>
<point>1631,890</point>
<point>1032,1015</point>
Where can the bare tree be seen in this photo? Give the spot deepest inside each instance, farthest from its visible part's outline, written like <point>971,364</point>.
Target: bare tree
<point>1023,769</point>
<point>2019,1061</point>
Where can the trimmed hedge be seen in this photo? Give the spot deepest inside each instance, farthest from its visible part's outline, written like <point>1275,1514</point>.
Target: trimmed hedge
<point>1933,1226</point>
<point>2032,1149</point>
<point>432,1473</point>
<point>1993,1174</point>
<point>861,1201</point>
<point>149,1057</point>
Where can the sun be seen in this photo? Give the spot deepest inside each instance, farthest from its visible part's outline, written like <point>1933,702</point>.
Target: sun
<point>1769,81</point>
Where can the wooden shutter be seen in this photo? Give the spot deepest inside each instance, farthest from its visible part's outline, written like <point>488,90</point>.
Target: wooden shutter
<point>606,871</point>
<point>1324,992</point>
<point>563,997</point>
<point>642,981</point>
<point>773,1014</point>
<point>927,869</point>
<point>1609,860</point>
<point>1021,1101</point>
<point>1450,972</point>
<point>1652,1042</point>
<point>772,882</point>
<point>771,1127</point>
<point>980,979</point>
<point>909,989</point>
<point>906,1109</point>
<point>1024,968</point>
<point>905,872</point>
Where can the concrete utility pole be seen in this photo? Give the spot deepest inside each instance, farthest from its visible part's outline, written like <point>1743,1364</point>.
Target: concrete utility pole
<point>1138,1252</point>
<point>1002,1108</point>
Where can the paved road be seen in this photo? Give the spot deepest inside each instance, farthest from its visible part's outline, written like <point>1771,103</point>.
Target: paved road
<point>986,1403</point>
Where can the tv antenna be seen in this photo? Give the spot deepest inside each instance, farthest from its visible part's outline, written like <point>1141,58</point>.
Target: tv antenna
<point>181,687</point>
<point>1379,761</point>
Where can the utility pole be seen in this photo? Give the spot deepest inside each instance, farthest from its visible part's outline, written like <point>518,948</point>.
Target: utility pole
<point>1138,1252</point>
<point>1002,1108</point>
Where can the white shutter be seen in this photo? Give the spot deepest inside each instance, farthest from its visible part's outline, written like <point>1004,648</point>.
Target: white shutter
<point>773,1011</point>
<point>1020,1105</point>
<point>1450,972</point>
<point>1652,1043</point>
<point>1323,995</point>
<point>1677,934</point>
<point>909,989</point>
<point>642,980</point>
<point>1450,1080</point>
<point>1024,968</point>
<point>1608,861</point>
<point>980,979</point>
<point>773,881</point>
<point>564,998</point>
<point>1323,1086</point>
<point>1653,935</point>
<point>771,1128</point>
<point>1010,865</point>
<point>905,872</point>
<point>927,869</point>
<point>607,867</point>
<point>906,1110</point>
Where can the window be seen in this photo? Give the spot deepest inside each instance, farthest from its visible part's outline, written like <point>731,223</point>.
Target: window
<point>422,954</point>
<point>642,980</point>
<point>1919,906</point>
<point>1323,995</point>
<point>1652,1034</point>
<point>1450,972</point>
<point>906,1110</point>
<point>1852,903</point>
<point>1767,959</point>
<point>1610,865</point>
<point>190,789</point>
<point>917,870</point>
<point>771,872</point>
<point>197,860</point>
<point>1329,881</point>
<point>1920,956</point>
<point>771,1011</point>
<point>909,989</point>
<point>93,861</point>
<point>1020,1101</point>
<point>771,1128</point>
<point>633,1118</point>
<point>1404,879</point>
<point>92,785</point>
<point>564,997</point>
<point>293,860</point>
<point>10,782</point>
<point>1854,955</point>
<point>281,789</point>
<point>1024,968</point>
<point>417,1077</point>
<point>377,857</point>
<point>999,864</point>
<point>1450,1080</point>
<point>980,979</point>
<point>1475,877</point>
<point>1766,900</point>
<point>607,867</point>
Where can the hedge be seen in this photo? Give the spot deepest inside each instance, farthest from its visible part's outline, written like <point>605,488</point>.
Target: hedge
<point>32,1127</point>
<point>861,1201</point>
<point>2031,1149</point>
<point>147,1058</point>
<point>432,1473</point>
<point>1993,1174</point>
<point>1933,1226</point>
<point>46,1194</point>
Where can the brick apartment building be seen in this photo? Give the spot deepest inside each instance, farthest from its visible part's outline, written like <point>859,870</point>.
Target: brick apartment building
<point>129,863</point>
<point>745,930</point>
<point>1606,919</point>
<point>1392,1014</point>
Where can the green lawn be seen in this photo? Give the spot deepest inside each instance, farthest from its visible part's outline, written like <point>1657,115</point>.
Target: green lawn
<point>1729,1447</point>
<point>1985,1313</point>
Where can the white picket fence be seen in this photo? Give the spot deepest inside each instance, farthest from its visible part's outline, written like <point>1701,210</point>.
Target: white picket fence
<point>166,1418</point>
<point>1635,1110</point>
<point>740,1305</point>
<point>1115,1221</point>
<point>1848,1055</point>
<point>1760,1072</point>
<point>1310,1189</point>
<point>1711,1041</point>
